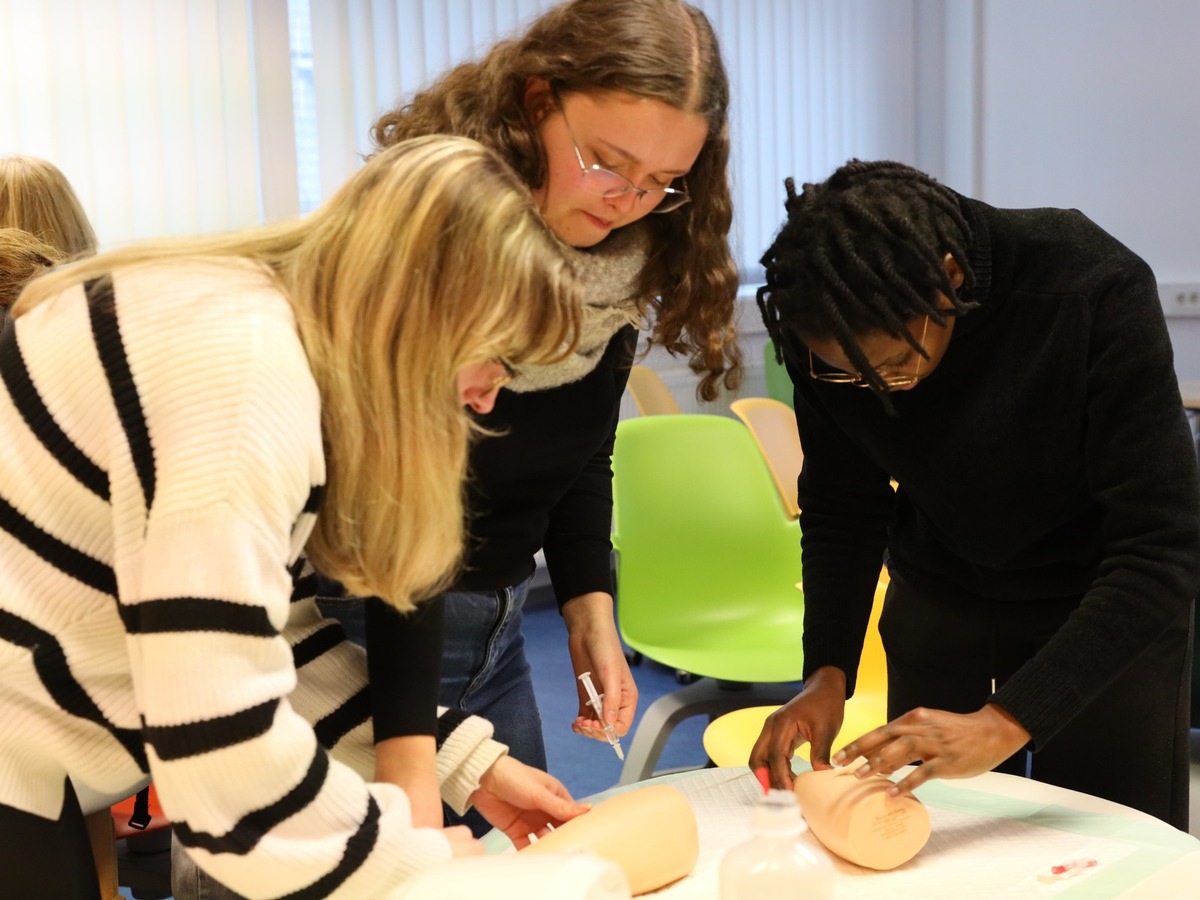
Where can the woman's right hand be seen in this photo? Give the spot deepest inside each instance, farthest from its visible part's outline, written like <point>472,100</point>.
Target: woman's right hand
<point>813,716</point>
<point>410,763</point>
<point>462,842</point>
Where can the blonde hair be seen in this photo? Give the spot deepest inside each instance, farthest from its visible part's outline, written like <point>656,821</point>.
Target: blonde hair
<point>22,256</point>
<point>431,258</point>
<point>663,50</point>
<point>36,196</point>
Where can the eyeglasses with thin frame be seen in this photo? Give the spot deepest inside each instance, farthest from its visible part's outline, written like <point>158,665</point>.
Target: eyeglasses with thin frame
<point>613,184</point>
<point>855,379</point>
<point>504,377</point>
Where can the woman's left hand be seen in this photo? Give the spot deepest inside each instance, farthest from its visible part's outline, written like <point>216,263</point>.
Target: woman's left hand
<point>521,800</point>
<point>948,745</point>
<point>595,647</point>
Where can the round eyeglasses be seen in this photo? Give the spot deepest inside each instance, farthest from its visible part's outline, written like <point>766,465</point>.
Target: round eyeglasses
<point>854,379</point>
<point>504,377</point>
<point>611,184</point>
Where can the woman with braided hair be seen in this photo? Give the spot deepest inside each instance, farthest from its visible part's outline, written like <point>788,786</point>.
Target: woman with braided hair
<point>1044,537</point>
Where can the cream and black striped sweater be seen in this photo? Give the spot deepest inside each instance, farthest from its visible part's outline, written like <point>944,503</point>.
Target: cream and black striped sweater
<point>160,469</point>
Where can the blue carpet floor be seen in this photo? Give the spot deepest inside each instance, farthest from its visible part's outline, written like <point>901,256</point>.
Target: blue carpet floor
<point>586,766</point>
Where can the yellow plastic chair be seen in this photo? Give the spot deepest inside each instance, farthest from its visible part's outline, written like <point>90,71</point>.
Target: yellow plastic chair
<point>773,425</point>
<point>779,382</point>
<point>729,739</point>
<point>706,571</point>
<point>650,393</point>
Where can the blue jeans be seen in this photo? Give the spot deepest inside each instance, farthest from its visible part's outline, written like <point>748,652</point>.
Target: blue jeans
<point>484,669</point>
<point>485,672</point>
<point>190,882</point>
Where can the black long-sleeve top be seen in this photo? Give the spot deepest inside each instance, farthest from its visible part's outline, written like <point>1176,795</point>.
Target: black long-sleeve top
<point>544,483</point>
<point>1047,457</point>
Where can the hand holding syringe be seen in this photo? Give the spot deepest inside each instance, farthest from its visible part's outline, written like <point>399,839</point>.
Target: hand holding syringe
<point>595,701</point>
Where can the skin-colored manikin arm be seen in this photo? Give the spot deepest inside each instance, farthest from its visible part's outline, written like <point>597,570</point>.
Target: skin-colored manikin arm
<point>650,833</point>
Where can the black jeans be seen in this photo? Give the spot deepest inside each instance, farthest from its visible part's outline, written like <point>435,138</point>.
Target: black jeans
<point>44,859</point>
<point>1130,745</point>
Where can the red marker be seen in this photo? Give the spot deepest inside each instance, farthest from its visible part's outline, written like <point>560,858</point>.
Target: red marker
<point>1072,866</point>
<point>764,778</point>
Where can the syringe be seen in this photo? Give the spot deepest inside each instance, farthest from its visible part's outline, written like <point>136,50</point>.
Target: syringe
<point>595,701</point>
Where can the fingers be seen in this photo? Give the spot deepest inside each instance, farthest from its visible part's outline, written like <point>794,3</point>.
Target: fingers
<point>820,743</point>
<point>774,748</point>
<point>551,797</point>
<point>618,704</point>
<point>870,744</point>
<point>462,842</point>
<point>912,781</point>
<point>945,744</point>
<point>564,809</point>
<point>616,684</point>
<point>589,728</point>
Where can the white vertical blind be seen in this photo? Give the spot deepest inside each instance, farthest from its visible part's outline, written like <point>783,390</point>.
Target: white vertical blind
<point>152,109</point>
<point>814,82</point>
<point>370,55</point>
<point>175,116</point>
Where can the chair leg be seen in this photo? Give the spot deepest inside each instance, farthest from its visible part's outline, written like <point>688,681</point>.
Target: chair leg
<point>104,852</point>
<point>704,697</point>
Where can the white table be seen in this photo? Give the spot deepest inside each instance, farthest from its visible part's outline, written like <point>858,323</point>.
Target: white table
<point>993,835</point>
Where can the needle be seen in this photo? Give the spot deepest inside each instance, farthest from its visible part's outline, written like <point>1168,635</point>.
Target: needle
<point>594,701</point>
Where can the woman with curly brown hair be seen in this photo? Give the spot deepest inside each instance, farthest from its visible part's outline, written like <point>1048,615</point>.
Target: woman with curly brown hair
<point>615,112</point>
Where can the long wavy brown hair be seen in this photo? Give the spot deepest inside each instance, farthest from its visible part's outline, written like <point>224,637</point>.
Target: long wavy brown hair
<point>656,49</point>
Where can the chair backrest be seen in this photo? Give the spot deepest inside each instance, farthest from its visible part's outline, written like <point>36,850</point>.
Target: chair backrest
<point>773,425</point>
<point>702,549</point>
<point>779,383</point>
<point>650,393</point>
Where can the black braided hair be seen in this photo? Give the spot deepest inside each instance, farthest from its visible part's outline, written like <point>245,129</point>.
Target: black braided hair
<point>864,252</point>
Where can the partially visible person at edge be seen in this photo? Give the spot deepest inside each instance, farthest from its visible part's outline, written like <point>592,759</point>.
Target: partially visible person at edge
<point>22,256</point>
<point>615,112</point>
<point>183,419</point>
<point>1044,538</point>
<point>37,197</point>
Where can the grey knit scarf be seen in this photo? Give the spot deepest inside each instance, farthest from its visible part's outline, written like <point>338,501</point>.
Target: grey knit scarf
<point>611,272</point>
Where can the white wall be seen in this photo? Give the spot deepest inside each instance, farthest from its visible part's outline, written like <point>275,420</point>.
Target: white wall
<point>1095,104</point>
<point>1091,104</point>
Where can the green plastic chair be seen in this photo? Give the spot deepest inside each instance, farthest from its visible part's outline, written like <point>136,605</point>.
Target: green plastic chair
<point>708,571</point>
<point>779,383</point>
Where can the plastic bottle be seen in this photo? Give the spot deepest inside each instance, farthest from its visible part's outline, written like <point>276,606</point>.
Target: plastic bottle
<point>775,864</point>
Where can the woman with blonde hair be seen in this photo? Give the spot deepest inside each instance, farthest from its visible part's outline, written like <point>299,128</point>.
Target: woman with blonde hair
<point>36,196</point>
<point>616,114</point>
<point>185,418</point>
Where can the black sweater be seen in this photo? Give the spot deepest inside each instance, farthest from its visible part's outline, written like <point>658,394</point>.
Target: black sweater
<point>544,482</point>
<point>1047,457</point>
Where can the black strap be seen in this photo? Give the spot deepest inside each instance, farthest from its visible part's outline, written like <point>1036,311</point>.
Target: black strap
<point>141,810</point>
